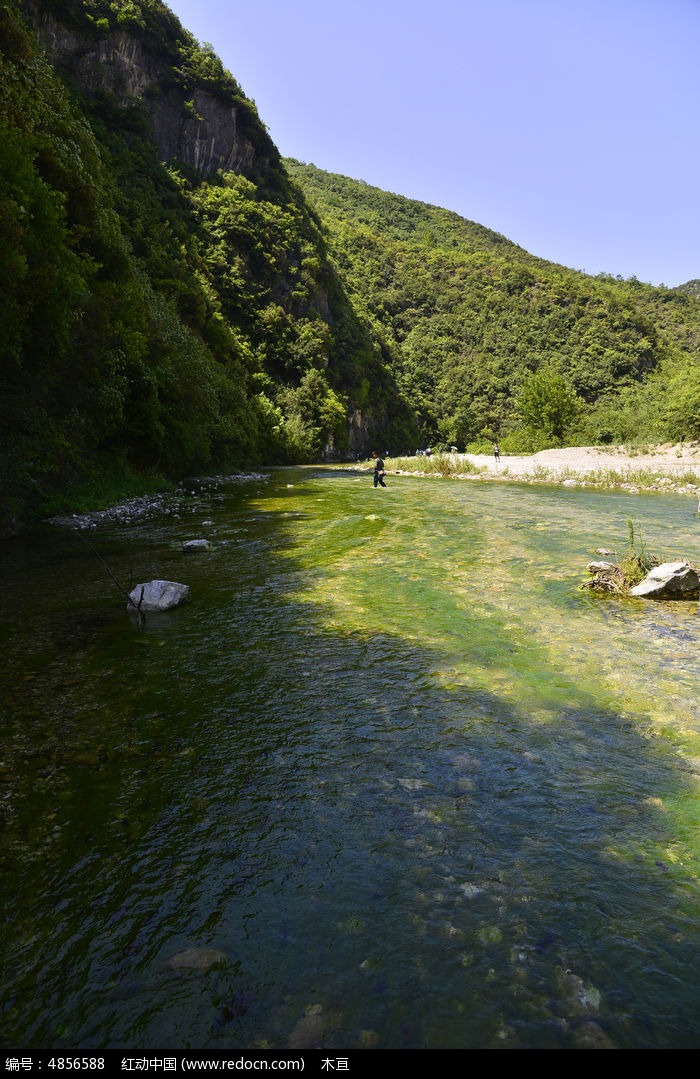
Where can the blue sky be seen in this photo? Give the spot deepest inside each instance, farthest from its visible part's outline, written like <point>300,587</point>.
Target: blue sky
<point>568,126</point>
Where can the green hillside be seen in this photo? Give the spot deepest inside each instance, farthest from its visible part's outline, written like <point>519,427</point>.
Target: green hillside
<point>177,299</point>
<point>486,341</point>
<point>161,315</point>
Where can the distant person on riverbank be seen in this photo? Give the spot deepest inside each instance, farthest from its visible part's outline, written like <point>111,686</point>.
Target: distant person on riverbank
<point>379,473</point>
<point>496,453</point>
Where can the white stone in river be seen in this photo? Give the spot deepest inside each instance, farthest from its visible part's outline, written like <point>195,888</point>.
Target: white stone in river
<point>670,579</point>
<point>157,595</point>
<point>196,545</point>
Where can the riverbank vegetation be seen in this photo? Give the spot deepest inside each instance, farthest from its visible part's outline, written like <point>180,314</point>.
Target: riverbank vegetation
<point>489,342</point>
<point>169,311</point>
<point>157,320</point>
<point>457,466</point>
<point>617,578</point>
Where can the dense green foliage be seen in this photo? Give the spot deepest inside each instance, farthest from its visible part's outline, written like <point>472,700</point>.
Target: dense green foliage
<point>487,341</point>
<point>156,321</point>
<point>547,405</point>
<point>162,316</point>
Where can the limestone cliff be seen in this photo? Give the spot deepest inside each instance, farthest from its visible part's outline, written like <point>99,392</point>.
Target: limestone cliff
<point>190,123</point>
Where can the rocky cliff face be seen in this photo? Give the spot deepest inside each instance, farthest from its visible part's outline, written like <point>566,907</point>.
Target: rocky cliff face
<point>204,132</point>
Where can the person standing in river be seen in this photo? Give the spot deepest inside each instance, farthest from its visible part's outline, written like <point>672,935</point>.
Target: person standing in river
<point>379,473</point>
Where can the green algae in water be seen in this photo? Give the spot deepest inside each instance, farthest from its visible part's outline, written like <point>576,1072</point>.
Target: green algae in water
<point>415,787</point>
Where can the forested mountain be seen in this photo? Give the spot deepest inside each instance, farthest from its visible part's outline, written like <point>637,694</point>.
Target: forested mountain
<point>487,341</point>
<point>175,298</point>
<point>167,302</point>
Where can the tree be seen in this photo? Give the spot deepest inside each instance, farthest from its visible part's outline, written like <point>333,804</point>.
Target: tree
<point>316,418</point>
<point>547,404</point>
<point>681,404</point>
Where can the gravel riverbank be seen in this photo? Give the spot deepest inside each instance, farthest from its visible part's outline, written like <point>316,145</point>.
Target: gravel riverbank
<point>657,468</point>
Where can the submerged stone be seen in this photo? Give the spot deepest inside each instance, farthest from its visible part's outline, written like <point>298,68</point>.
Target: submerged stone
<point>310,1030</point>
<point>581,997</point>
<point>489,934</point>
<point>590,1035</point>
<point>197,959</point>
<point>196,545</point>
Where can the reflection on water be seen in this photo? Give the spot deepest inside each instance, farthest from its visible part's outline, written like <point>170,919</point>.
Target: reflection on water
<point>389,780</point>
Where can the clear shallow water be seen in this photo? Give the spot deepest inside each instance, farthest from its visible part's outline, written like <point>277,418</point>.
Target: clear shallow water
<point>416,788</point>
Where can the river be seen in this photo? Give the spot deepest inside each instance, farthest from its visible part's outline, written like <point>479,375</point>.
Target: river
<point>389,779</point>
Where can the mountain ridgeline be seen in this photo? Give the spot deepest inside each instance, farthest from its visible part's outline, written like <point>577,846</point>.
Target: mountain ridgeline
<point>176,298</point>
<point>487,342</point>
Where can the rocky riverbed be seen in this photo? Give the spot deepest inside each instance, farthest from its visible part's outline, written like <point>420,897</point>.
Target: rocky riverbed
<point>135,509</point>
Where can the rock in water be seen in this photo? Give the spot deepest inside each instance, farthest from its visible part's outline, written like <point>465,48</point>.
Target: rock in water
<point>670,580</point>
<point>157,596</point>
<point>197,959</point>
<point>310,1029</point>
<point>196,545</point>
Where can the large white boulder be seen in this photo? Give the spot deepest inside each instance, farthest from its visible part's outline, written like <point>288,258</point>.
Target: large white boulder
<point>157,596</point>
<point>670,580</point>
